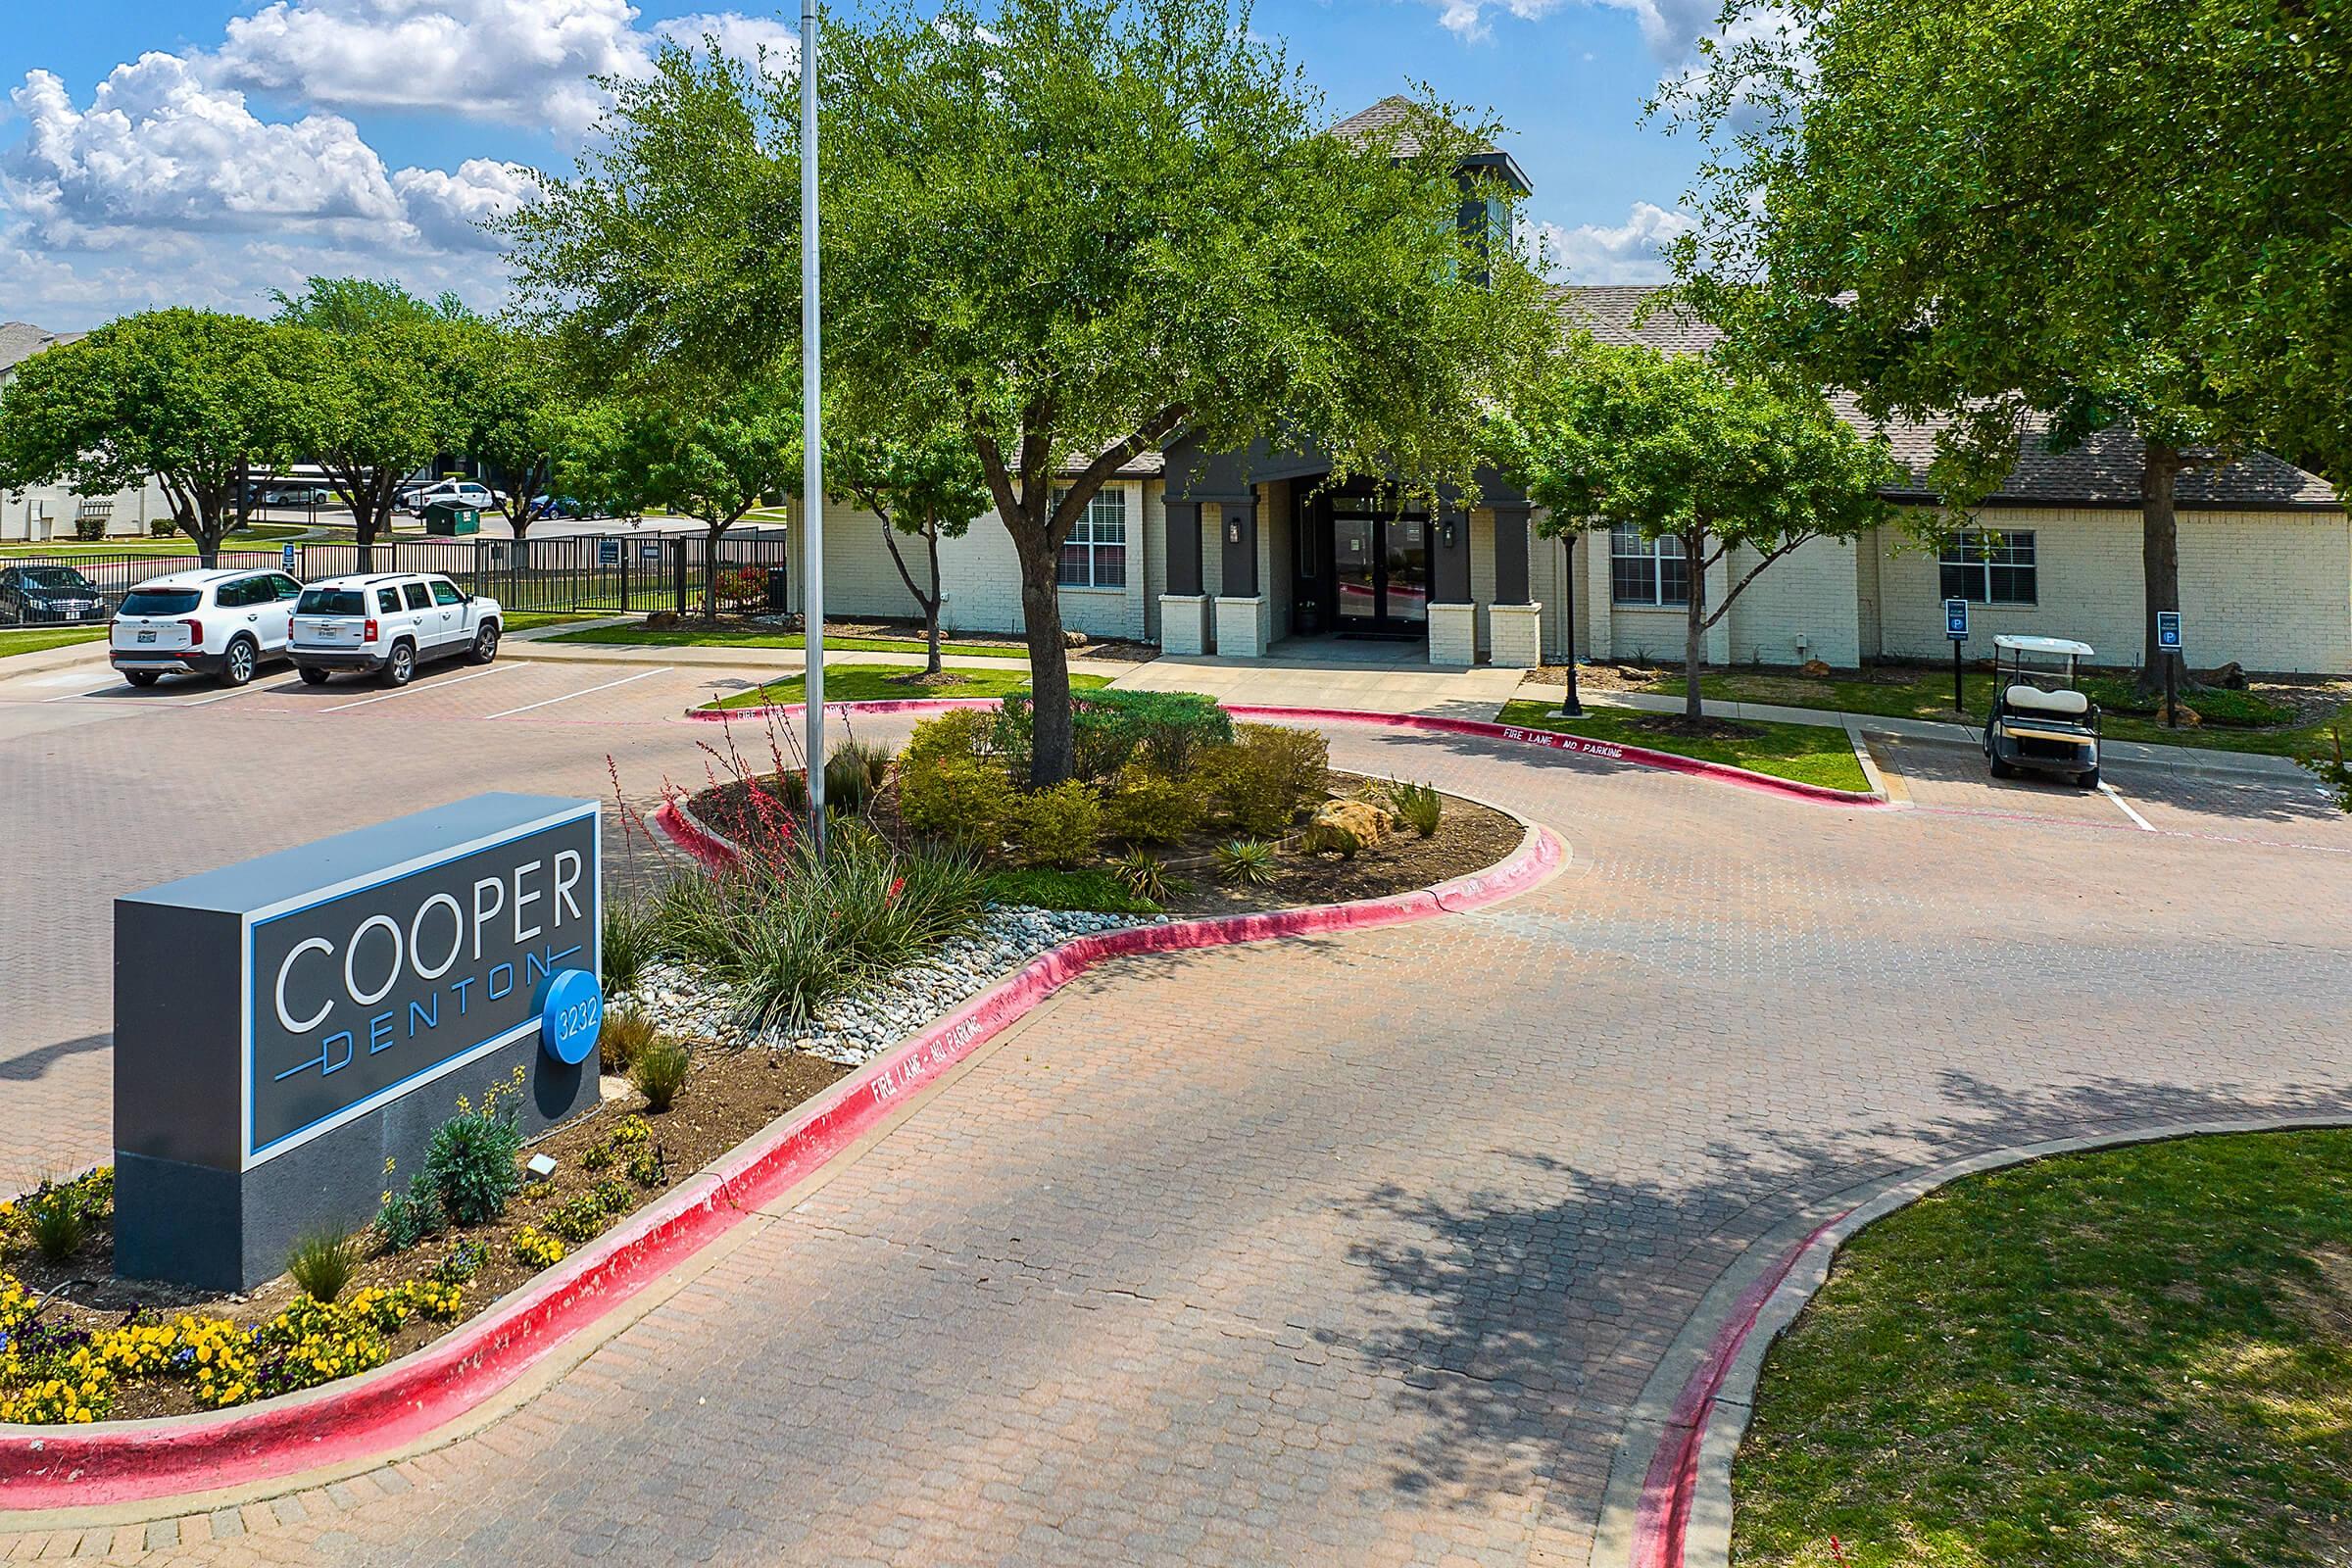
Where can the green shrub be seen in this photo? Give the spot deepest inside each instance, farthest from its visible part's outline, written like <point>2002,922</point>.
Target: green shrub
<point>1142,875</point>
<point>1059,826</point>
<point>1245,863</point>
<point>628,941</point>
<point>963,733</point>
<point>1265,775</point>
<point>968,801</point>
<point>850,780</point>
<point>1331,838</point>
<point>411,1214</point>
<point>459,1263</point>
<point>1094,888</point>
<point>90,529</point>
<point>1418,807</point>
<point>322,1262</point>
<point>161,527</point>
<point>577,1218</point>
<point>660,1071</point>
<point>1111,727</point>
<point>627,1030</point>
<point>471,1162</point>
<point>57,1221</point>
<point>1146,806</point>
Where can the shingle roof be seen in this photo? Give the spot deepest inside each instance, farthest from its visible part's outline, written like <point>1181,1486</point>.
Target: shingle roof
<point>2103,470</point>
<point>1406,117</point>
<point>22,340</point>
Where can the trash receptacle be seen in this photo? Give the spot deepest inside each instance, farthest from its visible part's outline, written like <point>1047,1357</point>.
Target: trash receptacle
<point>777,599</point>
<point>446,519</point>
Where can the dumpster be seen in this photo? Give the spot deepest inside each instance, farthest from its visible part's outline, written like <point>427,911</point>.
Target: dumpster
<point>448,519</point>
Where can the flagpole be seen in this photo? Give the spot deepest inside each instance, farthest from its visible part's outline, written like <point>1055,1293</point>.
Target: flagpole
<point>813,468</point>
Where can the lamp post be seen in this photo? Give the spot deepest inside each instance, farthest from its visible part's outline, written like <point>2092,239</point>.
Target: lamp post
<point>813,463</point>
<point>1570,706</point>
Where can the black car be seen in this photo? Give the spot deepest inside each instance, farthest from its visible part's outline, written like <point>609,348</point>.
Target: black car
<point>48,593</point>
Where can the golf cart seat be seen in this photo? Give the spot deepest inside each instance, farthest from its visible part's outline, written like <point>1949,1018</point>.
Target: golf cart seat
<point>2028,699</point>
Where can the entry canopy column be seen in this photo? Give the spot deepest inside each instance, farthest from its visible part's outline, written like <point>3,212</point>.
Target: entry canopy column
<point>1238,530</point>
<point>1449,553</point>
<point>1510,554</point>
<point>1184,547</point>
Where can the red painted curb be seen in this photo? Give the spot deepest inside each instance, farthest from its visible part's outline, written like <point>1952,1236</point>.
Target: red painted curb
<point>1662,1519</point>
<point>1553,739</point>
<point>58,1467</point>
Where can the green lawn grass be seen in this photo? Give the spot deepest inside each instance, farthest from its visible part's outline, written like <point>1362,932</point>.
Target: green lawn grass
<point>865,683</point>
<point>1928,694</point>
<point>261,536</point>
<point>533,619</point>
<point>738,637</point>
<point>2140,1355</point>
<point>32,639</point>
<point>1809,753</point>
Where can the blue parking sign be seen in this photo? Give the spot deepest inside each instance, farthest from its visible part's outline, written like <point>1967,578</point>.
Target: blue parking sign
<point>607,551</point>
<point>286,559</point>
<point>2167,631</point>
<point>1955,619</point>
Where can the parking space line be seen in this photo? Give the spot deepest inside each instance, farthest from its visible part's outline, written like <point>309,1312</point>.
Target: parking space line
<point>583,692</point>
<point>413,688</point>
<point>2116,795</point>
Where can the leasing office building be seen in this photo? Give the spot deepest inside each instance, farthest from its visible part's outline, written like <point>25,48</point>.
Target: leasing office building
<point>1229,553</point>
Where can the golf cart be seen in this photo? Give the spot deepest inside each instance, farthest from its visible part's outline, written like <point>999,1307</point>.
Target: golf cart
<point>2039,721</point>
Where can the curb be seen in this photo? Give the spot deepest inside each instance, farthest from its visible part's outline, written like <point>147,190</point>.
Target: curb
<point>1675,1513</point>
<point>134,1461</point>
<point>1553,739</point>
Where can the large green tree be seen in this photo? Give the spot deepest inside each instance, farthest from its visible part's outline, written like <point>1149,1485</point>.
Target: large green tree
<point>194,399</point>
<point>514,411</point>
<point>1738,470</point>
<point>1068,231</point>
<point>380,391</point>
<point>928,489</point>
<point>712,458</point>
<point>2073,212</point>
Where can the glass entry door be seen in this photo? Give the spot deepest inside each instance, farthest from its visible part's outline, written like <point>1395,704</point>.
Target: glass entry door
<point>1381,563</point>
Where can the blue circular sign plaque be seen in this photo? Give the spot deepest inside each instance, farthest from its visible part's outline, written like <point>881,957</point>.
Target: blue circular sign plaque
<point>571,1016</point>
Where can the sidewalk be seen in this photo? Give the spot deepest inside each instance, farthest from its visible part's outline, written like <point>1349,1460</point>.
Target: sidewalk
<point>1279,681</point>
<point>2172,758</point>
<point>536,645</point>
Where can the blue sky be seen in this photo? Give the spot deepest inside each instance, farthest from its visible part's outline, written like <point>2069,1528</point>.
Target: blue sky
<point>206,151</point>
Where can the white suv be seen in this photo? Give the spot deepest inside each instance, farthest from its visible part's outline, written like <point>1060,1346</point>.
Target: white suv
<point>390,623</point>
<point>464,492</point>
<point>217,622</point>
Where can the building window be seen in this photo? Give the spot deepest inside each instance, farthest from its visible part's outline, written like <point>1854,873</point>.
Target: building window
<point>1095,555</point>
<point>1647,571</point>
<point>1989,569</point>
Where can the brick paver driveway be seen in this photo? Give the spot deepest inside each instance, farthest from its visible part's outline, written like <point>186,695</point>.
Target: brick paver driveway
<point>1358,1250</point>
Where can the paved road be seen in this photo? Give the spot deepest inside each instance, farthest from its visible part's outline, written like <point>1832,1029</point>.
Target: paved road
<point>1355,1249</point>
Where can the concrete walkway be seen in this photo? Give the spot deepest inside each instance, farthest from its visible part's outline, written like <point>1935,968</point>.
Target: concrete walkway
<point>1325,672</point>
<point>539,643</point>
<point>2177,758</point>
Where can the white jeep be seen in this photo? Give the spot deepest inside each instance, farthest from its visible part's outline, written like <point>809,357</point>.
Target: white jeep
<point>389,623</point>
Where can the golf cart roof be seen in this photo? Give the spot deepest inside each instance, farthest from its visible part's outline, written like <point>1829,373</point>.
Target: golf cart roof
<point>2059,647</point>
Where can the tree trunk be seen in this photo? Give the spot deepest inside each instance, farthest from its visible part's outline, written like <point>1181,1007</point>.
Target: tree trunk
<point>2159,554</point>
<point>1049,755</point>
<point>1694,626</point>
<point>710,570</point>
<point>931,603</point>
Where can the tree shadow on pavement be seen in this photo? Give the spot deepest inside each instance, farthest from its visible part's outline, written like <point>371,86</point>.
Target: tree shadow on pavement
<point>1522,1317</point>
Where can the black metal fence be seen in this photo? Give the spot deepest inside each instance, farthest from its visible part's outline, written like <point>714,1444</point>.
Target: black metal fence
<point>615,573</point>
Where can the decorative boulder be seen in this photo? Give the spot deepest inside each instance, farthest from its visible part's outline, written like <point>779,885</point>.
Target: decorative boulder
<point>1815,668</point>
<point>1366,822</point>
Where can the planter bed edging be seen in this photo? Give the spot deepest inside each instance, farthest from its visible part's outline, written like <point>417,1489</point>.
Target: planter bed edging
<point>132,1461</point>
<point>1553,739</point>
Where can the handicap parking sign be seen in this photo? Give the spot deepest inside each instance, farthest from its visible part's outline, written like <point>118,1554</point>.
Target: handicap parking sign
<point>2167,631</point>
<point>1955,619</point>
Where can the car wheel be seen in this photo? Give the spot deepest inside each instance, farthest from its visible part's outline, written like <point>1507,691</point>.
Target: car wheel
<point>401,667</point>
<point>142,678</point>
<point>237,665</point>
<point>313,675</point>
<point>485,644</point>
<point>2001,769</point>
<point>2089,780</point>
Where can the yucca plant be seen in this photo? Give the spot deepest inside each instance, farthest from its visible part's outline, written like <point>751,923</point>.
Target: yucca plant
<point>660,1071</point>
<point>58,1223</point>
<point>1144,875</point>
<point>1418,806</point>
<point>628,941</point>
<point>1245,863</point>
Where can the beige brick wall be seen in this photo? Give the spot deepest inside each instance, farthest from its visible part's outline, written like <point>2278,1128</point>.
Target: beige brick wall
<point>1809,592</point>
<point>2272,590</point>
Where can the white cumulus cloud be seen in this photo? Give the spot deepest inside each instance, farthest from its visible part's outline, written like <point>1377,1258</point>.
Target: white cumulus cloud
<point>1630,252</point>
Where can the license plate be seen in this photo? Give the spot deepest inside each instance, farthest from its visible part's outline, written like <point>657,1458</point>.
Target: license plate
<point>72,615</point>
<point>146,636</point>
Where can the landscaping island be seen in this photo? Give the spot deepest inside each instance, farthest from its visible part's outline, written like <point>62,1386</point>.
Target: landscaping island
<point>2136,1355</point>
<point>740,989</point>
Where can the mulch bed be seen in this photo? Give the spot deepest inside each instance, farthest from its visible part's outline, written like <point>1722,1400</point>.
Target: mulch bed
<point>1470,837</point>
<point>729,1097</point>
